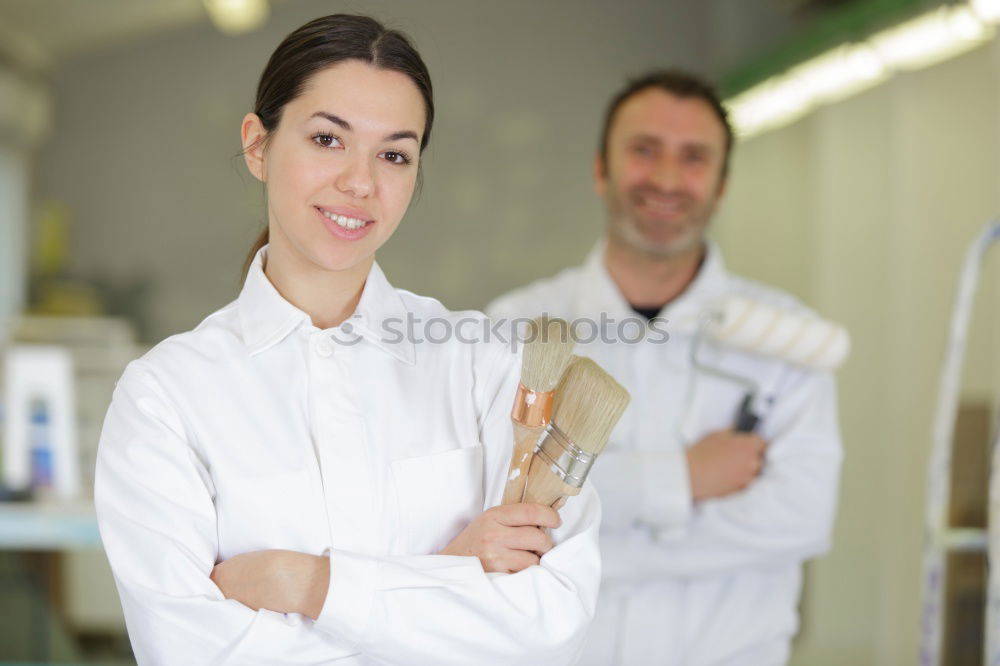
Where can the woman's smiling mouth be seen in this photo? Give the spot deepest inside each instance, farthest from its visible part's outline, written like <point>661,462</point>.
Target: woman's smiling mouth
<point>344,221</point>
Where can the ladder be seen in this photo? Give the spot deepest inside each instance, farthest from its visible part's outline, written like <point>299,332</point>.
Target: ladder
<point>939,537</point>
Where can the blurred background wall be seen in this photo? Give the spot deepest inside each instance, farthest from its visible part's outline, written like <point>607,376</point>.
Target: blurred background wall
<point>862,208</point>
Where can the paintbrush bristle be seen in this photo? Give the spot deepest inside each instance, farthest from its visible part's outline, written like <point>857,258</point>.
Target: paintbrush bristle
<point>547,351</point>
<point>588,404</point>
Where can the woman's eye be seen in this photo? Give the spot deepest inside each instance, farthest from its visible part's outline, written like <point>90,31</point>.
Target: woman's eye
<point>326,141</point>
<point>396,157</point>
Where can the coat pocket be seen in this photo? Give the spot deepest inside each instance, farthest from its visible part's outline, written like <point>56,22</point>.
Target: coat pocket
<point>438,495</point>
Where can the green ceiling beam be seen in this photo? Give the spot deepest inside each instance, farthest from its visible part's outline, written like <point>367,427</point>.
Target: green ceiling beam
<point>850,23</point>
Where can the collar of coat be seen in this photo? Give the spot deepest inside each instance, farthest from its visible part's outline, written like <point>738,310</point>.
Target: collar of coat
<point>599,293</point>
<point>267,318</point>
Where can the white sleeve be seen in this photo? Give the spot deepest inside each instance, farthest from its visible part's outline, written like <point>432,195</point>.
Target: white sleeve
<point>155,508</point>
<point>649,488</point>
<point>786,514</point>
<point>436,609</point>
<point>499,308</point>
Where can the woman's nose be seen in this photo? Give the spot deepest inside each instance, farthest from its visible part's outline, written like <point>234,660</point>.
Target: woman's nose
<point>356,179</point>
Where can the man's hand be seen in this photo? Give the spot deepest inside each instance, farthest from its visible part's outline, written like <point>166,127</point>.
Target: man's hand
<point>507,538</point>
<point>279,580</point>
<point>724,462</point>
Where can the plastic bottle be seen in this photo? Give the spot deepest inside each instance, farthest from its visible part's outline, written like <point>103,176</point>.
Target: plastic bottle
<point>40,441</point>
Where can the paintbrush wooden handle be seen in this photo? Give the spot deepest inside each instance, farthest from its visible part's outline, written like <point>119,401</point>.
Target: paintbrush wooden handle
<point>524,445</point>
<point>545,487</point>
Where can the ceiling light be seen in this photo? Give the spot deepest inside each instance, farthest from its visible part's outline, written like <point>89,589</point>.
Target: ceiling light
<point>842,72</point>
<point>851,68</point>
<point>987,10</point>
<point>237,16</point>
<point>930,38</point>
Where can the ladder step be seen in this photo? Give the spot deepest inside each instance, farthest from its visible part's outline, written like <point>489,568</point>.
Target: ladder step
<point>965,540</point>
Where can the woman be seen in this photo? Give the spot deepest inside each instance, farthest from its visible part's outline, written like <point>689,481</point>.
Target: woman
<point>293,481</point>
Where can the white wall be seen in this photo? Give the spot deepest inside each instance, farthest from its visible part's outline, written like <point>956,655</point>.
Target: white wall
<point>23,124</point>
<point>13,223</point>
<point>865,209</point>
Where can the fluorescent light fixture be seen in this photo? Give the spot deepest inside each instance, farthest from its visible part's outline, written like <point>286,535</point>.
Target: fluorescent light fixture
<point>237,16</point>
<point>776,102</point>
<point>987,10</point>
<point>931,38</point>
<point>851,68</point>
<point>835,75</point>
<point>840,73</point>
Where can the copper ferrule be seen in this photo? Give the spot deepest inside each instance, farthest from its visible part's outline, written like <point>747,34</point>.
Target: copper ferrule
<point>532,409</point>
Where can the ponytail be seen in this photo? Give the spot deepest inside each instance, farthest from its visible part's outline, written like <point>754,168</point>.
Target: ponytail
<point>261,241</point>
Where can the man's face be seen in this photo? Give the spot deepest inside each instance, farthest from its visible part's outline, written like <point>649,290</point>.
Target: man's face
<point>663,177</point>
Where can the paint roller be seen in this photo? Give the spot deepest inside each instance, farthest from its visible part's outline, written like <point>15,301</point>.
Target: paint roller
<point>798,338</point>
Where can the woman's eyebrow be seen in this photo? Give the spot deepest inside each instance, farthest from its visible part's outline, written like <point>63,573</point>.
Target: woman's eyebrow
<point>404,134</point>
<point>337,120</point>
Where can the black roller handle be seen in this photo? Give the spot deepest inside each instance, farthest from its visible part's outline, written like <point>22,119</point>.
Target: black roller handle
<point>746,420</point>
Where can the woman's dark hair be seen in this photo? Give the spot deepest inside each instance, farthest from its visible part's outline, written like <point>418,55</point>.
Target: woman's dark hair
<point>324,42</point>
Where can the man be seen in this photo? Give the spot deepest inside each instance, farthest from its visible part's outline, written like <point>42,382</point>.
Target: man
<point>705,529</point>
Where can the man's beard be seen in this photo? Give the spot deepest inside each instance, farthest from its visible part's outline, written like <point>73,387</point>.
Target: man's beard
<point>627,223</point>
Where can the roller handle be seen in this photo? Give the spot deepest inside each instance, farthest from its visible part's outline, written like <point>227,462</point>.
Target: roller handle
<point>746,420</point>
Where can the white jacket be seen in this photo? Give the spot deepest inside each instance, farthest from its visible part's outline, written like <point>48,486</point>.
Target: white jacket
<point>717,582</point>
<point>257,430</point>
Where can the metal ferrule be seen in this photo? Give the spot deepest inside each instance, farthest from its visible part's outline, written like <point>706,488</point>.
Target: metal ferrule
<point>532,409</point>
<point>566,460</point>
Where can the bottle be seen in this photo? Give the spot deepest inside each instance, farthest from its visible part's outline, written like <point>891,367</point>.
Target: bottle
<point>40,442</point>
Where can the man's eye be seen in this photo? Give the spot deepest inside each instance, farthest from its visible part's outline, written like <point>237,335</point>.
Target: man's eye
<point>643,149</point>
<point>326,141</point>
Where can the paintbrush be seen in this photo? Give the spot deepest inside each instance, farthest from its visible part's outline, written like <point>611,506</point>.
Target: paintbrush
<point>547,352</point>
<point>588,404</point>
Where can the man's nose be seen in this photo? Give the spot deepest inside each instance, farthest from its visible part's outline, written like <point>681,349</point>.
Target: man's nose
<point>665,173</point>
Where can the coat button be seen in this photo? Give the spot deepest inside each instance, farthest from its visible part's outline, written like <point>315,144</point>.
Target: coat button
<point>324,347</point>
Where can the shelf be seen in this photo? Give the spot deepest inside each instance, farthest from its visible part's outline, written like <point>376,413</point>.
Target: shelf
<point>48,526</point>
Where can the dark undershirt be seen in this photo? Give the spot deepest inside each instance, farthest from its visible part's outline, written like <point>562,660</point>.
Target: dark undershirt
<point>648,313</point>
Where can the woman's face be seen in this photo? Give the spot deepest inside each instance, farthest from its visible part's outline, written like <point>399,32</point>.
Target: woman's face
<point>341,166</point>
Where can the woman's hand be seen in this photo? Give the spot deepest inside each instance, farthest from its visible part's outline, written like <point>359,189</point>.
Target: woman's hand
<point>507,538</point>
<point>283,581</point>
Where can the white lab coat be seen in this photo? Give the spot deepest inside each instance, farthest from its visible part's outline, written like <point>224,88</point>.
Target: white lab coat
<point>257,430</point>
<point>718,582</point>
